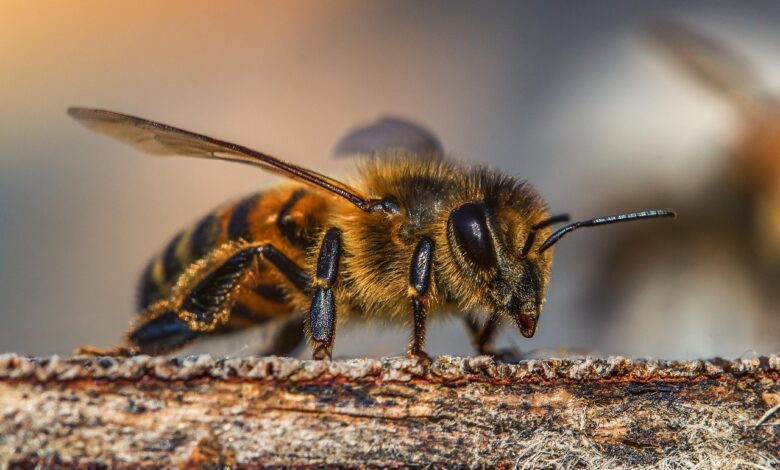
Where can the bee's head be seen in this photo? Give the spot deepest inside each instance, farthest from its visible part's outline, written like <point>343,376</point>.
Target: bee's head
<point>502,254</point>
<point>488,242</point>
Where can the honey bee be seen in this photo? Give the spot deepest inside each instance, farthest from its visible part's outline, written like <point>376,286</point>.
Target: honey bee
<point>414,235</point>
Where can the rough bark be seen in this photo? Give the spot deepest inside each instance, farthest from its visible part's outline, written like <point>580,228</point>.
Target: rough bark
<point>460,412</point>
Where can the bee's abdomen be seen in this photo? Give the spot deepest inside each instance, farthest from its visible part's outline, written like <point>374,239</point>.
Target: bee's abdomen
<point>285,217</point>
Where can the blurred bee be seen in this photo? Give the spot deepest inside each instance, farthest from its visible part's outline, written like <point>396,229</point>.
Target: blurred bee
<point>414,235</point>
<point>726,251</point>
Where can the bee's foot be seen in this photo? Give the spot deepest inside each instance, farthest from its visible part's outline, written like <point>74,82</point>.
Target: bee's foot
<point>421,356</point>
<point>503,355</point>
<point>322,352</point>
<point>118,351</point>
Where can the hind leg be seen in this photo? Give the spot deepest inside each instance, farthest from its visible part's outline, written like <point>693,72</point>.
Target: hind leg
<point>201,303</point>
<point>157,331</point>
<point>167,333</point>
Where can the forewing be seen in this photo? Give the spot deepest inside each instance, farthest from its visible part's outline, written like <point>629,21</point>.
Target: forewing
<point>161,139</point>
<point>387,134</point>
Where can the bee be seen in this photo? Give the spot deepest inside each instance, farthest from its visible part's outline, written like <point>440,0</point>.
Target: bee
<point>729,243</point>
<point>413,235</point>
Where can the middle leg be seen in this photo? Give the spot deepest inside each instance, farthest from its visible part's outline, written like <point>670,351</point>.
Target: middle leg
<point>419,285</point>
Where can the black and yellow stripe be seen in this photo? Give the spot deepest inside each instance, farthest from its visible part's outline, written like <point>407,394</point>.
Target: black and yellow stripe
<point>277,216</point>
<point>239,225</point>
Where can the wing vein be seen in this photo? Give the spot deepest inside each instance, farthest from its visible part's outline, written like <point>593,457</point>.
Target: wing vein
<point>162,139</point>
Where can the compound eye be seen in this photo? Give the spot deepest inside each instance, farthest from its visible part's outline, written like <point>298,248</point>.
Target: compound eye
<point>471,232</point>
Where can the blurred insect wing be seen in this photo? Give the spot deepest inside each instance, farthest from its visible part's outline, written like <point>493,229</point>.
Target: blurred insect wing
<point>390,134</point>
<point>710,61</point>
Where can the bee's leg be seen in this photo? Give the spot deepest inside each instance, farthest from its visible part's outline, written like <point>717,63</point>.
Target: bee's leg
<point>122,350</point>
<point>160,331</point>
<point>471,321</point>
<point>208,304</point>
<point>322,313</point>
<point>166,327</point>
<point>419,283</point>
<point>483,336</point>
<point>156,331</point>
<point>287,339</point>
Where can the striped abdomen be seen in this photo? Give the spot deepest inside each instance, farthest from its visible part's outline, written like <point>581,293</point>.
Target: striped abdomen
<point>285,217</point>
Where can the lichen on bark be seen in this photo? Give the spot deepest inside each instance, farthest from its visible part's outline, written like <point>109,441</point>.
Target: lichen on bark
<point>470,412</point>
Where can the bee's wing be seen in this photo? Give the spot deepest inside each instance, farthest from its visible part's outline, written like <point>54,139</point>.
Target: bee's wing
<point>710,61</point>
<point>387,134</point>
<point>162,139</point>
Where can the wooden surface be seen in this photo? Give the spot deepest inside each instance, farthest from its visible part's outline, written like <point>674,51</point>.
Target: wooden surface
<point>461,412</point>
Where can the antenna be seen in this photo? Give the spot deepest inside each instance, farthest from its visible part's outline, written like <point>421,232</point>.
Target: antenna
<point>610,219</point>
<point>529,242</point>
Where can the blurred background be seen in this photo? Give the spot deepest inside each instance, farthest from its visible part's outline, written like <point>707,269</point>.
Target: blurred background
<point>578,98</point>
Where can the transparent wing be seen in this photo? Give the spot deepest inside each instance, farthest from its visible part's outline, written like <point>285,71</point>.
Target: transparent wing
<point>161,139</point>
<point>390,133</point>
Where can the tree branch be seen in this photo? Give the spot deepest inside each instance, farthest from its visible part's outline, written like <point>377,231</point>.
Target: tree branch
<point>471,412</point>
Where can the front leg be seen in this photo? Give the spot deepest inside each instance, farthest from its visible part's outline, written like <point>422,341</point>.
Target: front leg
<point>419,285</point>
<point>482,336</point>
<point>322,313</point>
